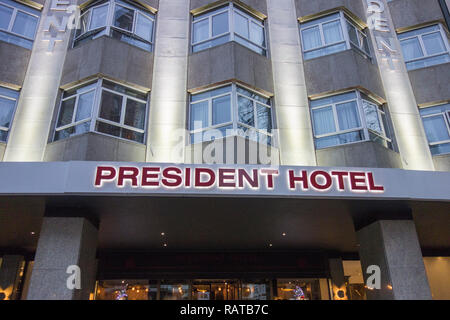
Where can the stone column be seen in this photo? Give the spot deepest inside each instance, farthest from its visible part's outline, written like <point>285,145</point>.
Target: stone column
<point>339,288</point>
<point>295,134</point>
<point>167,119</point>
<point>393,246</point>
<point>64,242</point>
<point>9,276</point>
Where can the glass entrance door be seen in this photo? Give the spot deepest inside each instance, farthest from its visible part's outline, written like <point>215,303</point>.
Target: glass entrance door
<point>215,290</point>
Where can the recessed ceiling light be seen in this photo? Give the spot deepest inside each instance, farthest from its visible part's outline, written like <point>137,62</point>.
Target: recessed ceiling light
<point>163,233</point>
<point>33,233</point>
<point>165,244</point>
<point>283,234</point>
<point>270,245</point>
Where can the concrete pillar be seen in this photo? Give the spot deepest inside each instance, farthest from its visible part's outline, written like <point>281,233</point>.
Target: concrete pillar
<point>295,134</point>
<point>9,276</point>
<point>29,131</point>
<point>393,246</point>
<point>338,283</point>
<point>63,242</point>
<point>167,119</point>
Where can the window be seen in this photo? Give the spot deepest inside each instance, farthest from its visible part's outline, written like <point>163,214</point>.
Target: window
<point>104,107</point>
<point>8,102</point>
<point>347,118</point>
<point>18,23</point>
<point>230,110</point>
<point>436,121</point>
<point>118,19</point>
<point>425,47</point>
<point>331,34</point>
<point>228,23</point>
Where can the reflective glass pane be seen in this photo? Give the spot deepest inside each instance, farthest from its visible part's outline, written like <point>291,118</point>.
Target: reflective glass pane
<point>84,107</point>
<point>25,25</point>
<point>118,88</point>
<point>311,38</point>
<point>436,128</point>
<point>348,115</point>
<point>433,43</point>
<point>199,115</point>
<point>132,135</point>
<point>411,49</point>
<point>332,32</point>
<point>264,119</point>
<point>174,291</point>
<point>71,131</point>
<point>5,16</point>
<point>245,111</point>
<point>66,112</point>
<point>241,25</point>
<point>123,18</point>
<point>201,30</point>
<point>257,34</point>
<point>99,15</point>
<point>371,113</point>
<point>108,129</point>
<point>220,24</point>
<point>323,121</point>
<point>135,114</point>
<point>221,110</point>
<point>352,34</point>
<point>84,20</point>
<point>111,106</point>
<point>6,111</point>
<point>144,27</point>
<point>126,290</point>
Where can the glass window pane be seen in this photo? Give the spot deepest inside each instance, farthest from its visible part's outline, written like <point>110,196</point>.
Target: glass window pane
<point>245,111</point>
<point>66,113</point>
<point>436,128</point>
<point>111,106</point>
<point>221,110</point>
<point>257,34</point>
<point>332,32</point>
<point>25,25</point>
<point>6,111</point>
<point>129,92</point>
<point>5,16</point>
<point>132,135</point>
<point>108,129</point>
<point>199,115</point>
<point>433,43</point>
<point>241,25</point>
<point>210,94</point>
<point>144,27</point>
<point>135,114</point>
<point>99,15</point>
<point>264,118</point>
<point>311,38</point>
<point>220,23</point>
<point>84,20</point>
<point>352,34</point>
<point>174,291</point>
<point>323,121</point>
<point>84,107</point>
<point>71,131</point>
<point>411,49</point>
<point>371,113</point>
<point>201,30</point>
<point>123,18</point>
<point>348,115</point>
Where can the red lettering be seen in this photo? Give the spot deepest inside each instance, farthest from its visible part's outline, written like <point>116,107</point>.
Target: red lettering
<point>132,176</point>
<point>172,179</point>
<point>187,177</point>
<point>147,174</point>
<point>340,178</point>
<point>356,178</point>
<point>372,186</point>
<point>270,173</point>
<point>316,184</point>
<point>205,171</point>
<point>293,180</point>
<point>100,176</point>
<point>224,175</point>
<point>252,181</point>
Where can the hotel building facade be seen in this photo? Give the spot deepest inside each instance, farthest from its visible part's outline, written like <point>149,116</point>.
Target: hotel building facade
<point>219,150</point>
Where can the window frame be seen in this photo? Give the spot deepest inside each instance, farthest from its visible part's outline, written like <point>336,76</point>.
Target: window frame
<point>95,111</point>
<point>446,116</point>
<point>13,113</point>
<point>234,110</point>
<point>424,49</point>
<point>13,18</point>
<point>361,116</point>
<point>109,23</point>
<point>231,9</point>
<point>343,21</point>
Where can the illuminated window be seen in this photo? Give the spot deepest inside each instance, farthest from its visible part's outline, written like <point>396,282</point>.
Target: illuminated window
<point>348,118</point>
<point>8,102</point>
<point>425,47</point>
<point>436,121</point>
<point>118,19</point>
<point>18,23</point>
<point>228,23</point>
<point>331,34</point>
<point>230,110</point>
<point>104,107</point>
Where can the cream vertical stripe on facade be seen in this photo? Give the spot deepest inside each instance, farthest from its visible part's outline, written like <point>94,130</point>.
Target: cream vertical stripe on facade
<point>31,126</point>
<point>167,120</point>
<point>291,99</point>
<point>409,131</point>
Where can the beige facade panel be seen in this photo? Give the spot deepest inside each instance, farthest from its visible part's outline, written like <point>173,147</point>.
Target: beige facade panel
<point>257,5</point>
<point>431,84</point>
<point>14,71</point>
<point>308,7</point>
<point>407,13</point>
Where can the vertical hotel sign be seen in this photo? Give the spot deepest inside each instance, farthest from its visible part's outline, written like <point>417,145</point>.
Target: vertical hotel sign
<point>410,134</point>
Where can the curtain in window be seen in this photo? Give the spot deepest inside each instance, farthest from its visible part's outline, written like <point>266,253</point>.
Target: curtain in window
<point>257,34</point>
<point>220,24</point>
<point>371,113</point>
<point>201,30</point>
<point>25,25</point>
<point>85,102</point>
<point>433,43</point>
<point>436,129</point>
<point>311,38</point>
<point>411,49</point>
<point>241,25</point>
<point>221,110</point>
<point>323,121</point>
<point>199,115</point>
<point>348,115</point>
<point>332,32</point>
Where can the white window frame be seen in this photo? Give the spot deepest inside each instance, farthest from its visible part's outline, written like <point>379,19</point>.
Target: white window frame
<point>95,111</point>
<point>446,116</point>
<point>343,19</point>
<point>234,109</point>
<point>231,8</point>
<point>362,118</point>
<point>12,116</point>
<point>108,27</point>
<point>423,47</point>
<point>13,18</point>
